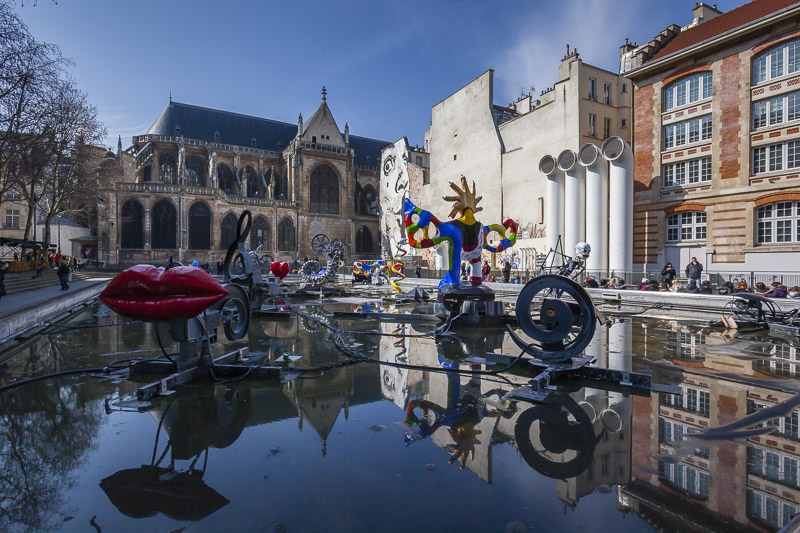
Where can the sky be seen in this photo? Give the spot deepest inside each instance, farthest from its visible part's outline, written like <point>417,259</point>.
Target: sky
<point>384,63</point>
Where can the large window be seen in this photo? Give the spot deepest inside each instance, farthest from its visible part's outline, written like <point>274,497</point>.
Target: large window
<point>687,132</point>
<point>690,399</point>
<point>776,157</point>
<point>162,226</point>
<point>259,235</point>
<point>778,223</point>
<point>166,169</point>
<point>227,231</point>
<point>226,180</point>
<point>688,91</point>
<point>592,125</point>
<point>674,433</point>
<point>787,426</point>
<point>686,226</point>
<point>364,243</point>
<point>779,467</point>
<point>769,509</point>
<point>773,111</point>
<point>251,179</point>
<point>199,227</point>
<point>287,239</point>
<point>324,189</point>
<point>686,478</point>
<point>131,227</point>
<point>12,219</point>
<point>687,172</point>
<point>777,62</point>
<point>196,172</point>
<point>366,200</point>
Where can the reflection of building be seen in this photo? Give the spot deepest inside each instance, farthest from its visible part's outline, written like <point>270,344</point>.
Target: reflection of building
<point>725,485</point>
<point>717,135</point>
<point>185,182</point>
<point>499,146</point>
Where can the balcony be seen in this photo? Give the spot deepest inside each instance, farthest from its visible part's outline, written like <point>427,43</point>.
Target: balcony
<point>193,190</point>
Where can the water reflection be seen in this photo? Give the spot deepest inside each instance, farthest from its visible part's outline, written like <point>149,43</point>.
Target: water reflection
<point>586,440</point>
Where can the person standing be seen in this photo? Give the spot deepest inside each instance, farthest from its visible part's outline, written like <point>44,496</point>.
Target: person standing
<point>486,270</point>
<point>693,271</point>
<point>418,271</point>
<point>3,270</point>
<point>63,275</point>
<point>668,273</point>
<point>506,271</point>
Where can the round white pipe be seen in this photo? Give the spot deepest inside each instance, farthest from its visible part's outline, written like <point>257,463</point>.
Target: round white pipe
<point>620,212</point>
<point>596,206</point>
<point>554,200</point>
<point>574,200</point>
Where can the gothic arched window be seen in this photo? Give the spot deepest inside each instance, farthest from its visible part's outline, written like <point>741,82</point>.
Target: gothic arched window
<point>281,189</point>
<point>167,172</point>
<point>287,239</point>
<point>147,173</point>
<point>163,226</point>
<point>228,231</point>
<point>199,227</point>
<point>131,225</point>
<point>364,244</point>
<point>259,235</point>
<point>324,190</point>
<point>366,200</point>
<point>252,179</point>
<point>226,180</point>
<point>195,172</point>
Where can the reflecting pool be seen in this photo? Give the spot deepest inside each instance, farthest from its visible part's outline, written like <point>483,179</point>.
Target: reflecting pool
<point>371,447</point>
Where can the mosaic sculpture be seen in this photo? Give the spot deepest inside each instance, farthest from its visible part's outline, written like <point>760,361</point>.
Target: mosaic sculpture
<point>466,237</point>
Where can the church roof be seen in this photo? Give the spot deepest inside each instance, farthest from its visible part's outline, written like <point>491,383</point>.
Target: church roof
<point>202,123</point>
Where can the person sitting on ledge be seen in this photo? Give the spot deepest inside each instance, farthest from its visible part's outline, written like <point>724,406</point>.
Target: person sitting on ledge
<point>691,287</point>
<point>653,285</point>
<point>761,289</point>
<point>677,286</point>
<point>726,288</point>
<point>706,288</point>
<point>612,284</point>
<point>591,283</point>
<point>794,292</point>
<point>666,287</point>
<point>643,285</point>
<point>620,283</point>
<point>778,290</point>
<point>741,287</point>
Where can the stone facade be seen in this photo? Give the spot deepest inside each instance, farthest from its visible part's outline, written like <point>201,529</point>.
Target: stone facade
<point>297,181</point>
<point>713,213</point>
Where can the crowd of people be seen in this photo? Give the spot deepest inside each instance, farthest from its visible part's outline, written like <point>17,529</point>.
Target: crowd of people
<point>670,283</point>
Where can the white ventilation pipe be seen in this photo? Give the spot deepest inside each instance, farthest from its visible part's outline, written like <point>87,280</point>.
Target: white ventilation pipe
<point>620,357</point>
<point>554,201</point>
<point>596,206</point>
<point>574,200</point>
<point>620,212</point>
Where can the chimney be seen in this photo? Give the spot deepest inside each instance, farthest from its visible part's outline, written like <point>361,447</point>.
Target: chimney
<point>703,12</point>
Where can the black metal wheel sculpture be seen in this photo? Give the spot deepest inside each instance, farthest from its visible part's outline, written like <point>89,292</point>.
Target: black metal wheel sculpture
<point>319,242</point>
<point>564,431</point>
<point>558,314</point>
<point>234,312</point>
<point>238,261</point>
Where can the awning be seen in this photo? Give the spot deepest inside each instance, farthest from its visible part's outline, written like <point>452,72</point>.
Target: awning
<point>20,243</point>
<point>85,238</point>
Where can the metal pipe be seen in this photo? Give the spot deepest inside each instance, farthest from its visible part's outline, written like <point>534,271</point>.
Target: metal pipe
<point>574,200</point>
<point>620,212</point>
<point>554,200</point>
<point>596,206</point>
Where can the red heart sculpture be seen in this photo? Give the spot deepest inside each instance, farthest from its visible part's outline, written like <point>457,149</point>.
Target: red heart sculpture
<point>146,293</point>
<point>280,269</point>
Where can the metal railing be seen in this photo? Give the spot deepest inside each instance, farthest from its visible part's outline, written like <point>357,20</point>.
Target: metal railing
<point>204,191</point>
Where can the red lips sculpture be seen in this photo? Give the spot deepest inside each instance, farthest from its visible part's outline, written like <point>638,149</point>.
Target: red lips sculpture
<point>279,269</point>
<point>146,293</point>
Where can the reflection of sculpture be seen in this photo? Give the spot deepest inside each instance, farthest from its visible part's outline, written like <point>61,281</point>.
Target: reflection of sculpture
<point>465,236</point>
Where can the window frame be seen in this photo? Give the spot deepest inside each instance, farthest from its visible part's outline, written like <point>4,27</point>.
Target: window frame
<point>764,68</point>
<point>677,226</point>
<point>774,158</point>
<point>678,94</point>
<point>679,173</point>
<point>770,225</point>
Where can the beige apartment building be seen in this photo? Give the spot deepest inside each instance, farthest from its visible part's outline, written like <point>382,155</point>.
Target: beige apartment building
<point>717,140</point>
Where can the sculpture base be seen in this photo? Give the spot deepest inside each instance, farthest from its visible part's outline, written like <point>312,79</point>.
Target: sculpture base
<point>473,304</point>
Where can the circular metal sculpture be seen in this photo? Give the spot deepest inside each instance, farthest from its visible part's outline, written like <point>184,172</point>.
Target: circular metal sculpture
<point>319,242</point>
<point>234,312</point>
<point>558,314</point>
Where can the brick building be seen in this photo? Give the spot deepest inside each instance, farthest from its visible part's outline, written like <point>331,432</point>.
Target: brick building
<point>717,139</point>
<point>179,190</point>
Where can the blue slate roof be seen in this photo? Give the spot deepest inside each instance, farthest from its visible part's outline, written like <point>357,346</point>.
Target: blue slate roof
<point>201,123</point>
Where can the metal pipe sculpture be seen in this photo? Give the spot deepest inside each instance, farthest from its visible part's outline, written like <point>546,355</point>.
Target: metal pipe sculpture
<point>465,236</point>
<point>312,274</point>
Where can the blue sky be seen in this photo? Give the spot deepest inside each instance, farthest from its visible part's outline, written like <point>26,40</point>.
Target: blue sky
<point>385,64</point>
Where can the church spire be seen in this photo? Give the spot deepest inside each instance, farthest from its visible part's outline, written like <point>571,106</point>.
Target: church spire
<point>119,147</point>
<point>324,94</point>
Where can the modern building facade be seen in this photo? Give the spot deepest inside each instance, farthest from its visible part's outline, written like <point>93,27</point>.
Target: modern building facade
<point>499,147</point>
<point>717,139</point>
<point>180,189</point>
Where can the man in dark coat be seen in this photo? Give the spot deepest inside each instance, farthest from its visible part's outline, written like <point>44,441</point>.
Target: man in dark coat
<point>63,275</point>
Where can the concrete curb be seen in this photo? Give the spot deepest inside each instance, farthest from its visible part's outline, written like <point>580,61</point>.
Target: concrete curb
<point>16,322</point>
